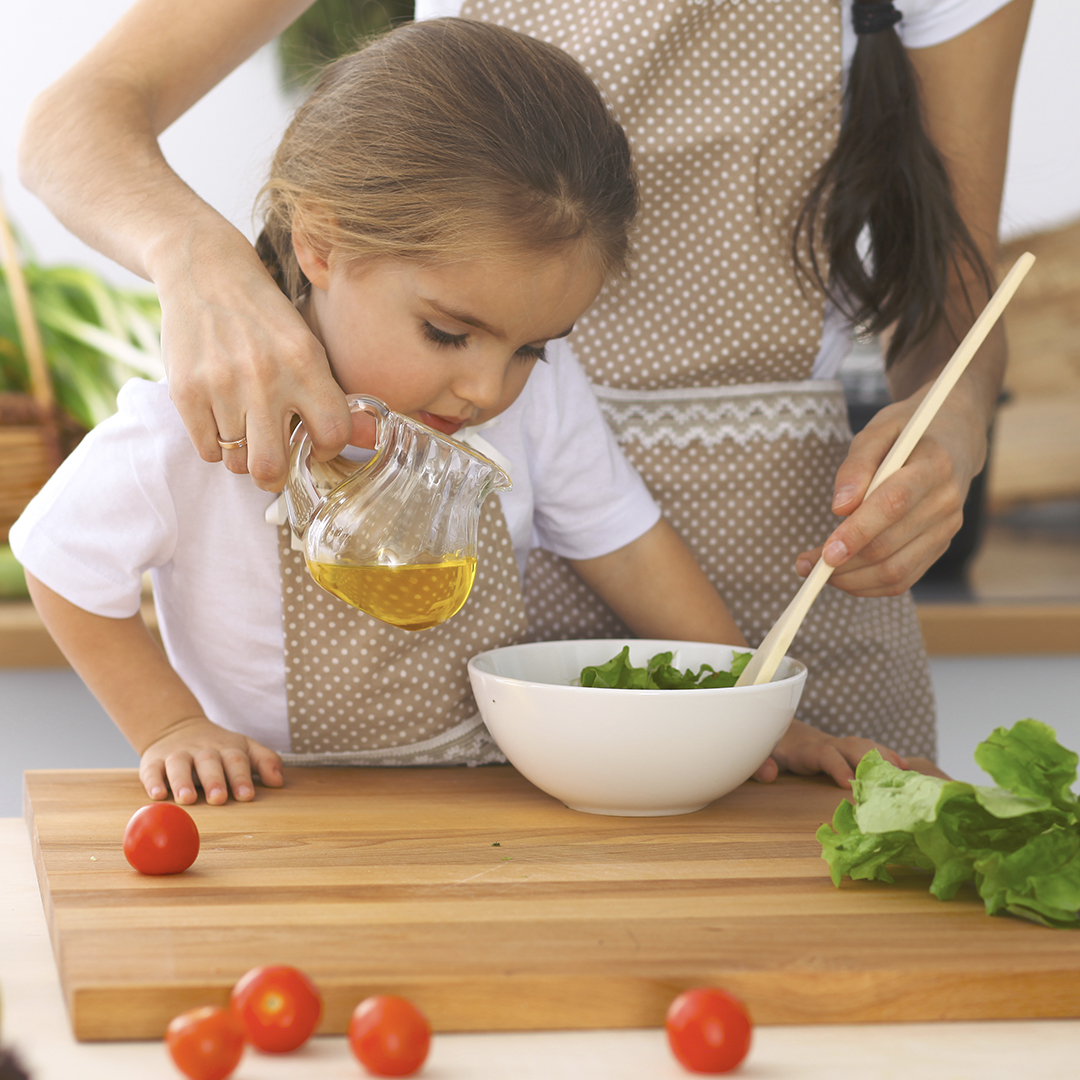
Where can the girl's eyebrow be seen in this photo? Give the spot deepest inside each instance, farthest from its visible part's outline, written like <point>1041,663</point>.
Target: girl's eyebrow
<point>471,320</point>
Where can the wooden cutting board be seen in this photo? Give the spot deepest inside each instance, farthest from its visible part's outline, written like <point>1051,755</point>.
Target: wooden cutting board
<point>492,906</point>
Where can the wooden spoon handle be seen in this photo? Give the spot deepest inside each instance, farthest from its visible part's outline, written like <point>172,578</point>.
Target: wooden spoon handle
<point>767,659</point>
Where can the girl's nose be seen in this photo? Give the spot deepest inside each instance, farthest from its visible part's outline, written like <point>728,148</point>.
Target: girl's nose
<point>480,382</point>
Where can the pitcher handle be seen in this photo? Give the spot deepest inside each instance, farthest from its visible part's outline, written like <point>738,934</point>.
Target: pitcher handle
<point>301,498</point>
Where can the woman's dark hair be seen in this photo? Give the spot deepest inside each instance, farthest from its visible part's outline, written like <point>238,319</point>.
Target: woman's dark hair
<point>886,178</point>
<point>448,140</point>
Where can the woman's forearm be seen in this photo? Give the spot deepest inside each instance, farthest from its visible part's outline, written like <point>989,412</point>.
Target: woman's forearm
<point>966,89</point>
<point>89,147</point>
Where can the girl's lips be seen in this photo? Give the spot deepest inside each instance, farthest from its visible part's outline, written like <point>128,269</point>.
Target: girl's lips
<point>441,423</point>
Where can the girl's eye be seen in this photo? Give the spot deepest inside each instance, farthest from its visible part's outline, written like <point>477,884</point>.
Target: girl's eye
<point>441,337</point>
<point>531,352</point>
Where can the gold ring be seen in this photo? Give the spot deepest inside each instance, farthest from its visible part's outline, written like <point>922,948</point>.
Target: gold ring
<point>232,444</point>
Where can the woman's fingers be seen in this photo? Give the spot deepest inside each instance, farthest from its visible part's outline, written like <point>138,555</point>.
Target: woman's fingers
<point>241,361</point>
<point>897,531</point>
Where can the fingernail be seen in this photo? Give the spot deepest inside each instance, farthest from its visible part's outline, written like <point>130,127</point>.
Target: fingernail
<point>184,793</point>
<point>835,552</point>
<point>802,567</point>
<point>157,792</point>
<point>243,792</point>
<point>843,495</point>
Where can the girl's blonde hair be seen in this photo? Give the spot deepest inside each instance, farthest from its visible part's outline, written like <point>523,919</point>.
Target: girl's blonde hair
<point>450,140</point>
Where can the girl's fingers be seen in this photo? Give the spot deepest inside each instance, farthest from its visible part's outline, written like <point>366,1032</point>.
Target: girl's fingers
<point>181,778</point>
<point>768,771</point>
<point>836,765</point>
<point>212,777</point>
<point>152,775</point>
<point>267,765</point>
<point>237,766</point>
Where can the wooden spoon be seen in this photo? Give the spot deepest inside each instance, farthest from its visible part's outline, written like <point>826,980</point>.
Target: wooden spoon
<point>765,661</point>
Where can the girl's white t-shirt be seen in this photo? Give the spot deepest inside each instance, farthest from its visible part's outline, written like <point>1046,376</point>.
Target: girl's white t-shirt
<point>135,496</point>
<point>925,23</point>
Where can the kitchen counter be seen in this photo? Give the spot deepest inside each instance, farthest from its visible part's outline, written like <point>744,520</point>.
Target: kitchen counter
<point>36,1024</point>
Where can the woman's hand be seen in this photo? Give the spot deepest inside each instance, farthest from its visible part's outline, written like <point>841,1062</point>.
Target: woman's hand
<point>806,751</point>
<point>197,751</point>
<point>888,541</point>
<point>240,359</point>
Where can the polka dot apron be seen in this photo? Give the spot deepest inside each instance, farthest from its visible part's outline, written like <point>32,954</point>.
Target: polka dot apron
<point>702,361</point>
<point>362,692</point>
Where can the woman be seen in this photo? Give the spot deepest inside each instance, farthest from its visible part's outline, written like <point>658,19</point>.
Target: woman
<point>733,109</point>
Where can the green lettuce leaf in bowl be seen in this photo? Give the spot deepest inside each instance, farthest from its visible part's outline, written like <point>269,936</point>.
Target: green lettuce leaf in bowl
<point>659,674</point>
<point>1017,843</point>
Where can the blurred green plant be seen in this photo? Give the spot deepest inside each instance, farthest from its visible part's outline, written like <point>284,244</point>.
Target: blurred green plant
<point>96,336</point>
<point>331,28</point>
<point>12,578</point>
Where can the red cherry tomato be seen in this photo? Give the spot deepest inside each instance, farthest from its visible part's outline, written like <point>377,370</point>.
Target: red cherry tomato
<point>205,1044</point>
<point>161,839</point>
<point>278,1006</point>
<point>709,1031</point>
<point>389,1036</point>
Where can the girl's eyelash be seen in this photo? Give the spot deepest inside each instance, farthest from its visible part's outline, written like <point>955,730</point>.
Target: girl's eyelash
<point>441,337</point>
<point>459,341</point>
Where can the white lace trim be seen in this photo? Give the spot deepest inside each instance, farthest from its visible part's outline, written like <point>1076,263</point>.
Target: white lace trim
<point>712,415</point>
<point>467,743</point>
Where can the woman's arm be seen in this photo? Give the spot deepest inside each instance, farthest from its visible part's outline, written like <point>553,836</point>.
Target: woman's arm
<point>152,706</point>
<point>885,546</point>
<point>240,359</point>
<point>657,588</point>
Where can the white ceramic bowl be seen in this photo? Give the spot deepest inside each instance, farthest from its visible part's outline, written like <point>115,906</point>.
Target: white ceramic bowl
<point>629,752</point>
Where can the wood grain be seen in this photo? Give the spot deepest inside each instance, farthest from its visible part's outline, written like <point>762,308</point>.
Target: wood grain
<point>493,907</point>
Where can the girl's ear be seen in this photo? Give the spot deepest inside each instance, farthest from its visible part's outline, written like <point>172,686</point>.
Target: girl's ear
<point>314,264</point>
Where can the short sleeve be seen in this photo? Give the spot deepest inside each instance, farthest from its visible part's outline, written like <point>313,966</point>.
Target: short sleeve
<point>437,9</point>
<point>931,22</point>
<point>589,499</point>
<point>105,516</point>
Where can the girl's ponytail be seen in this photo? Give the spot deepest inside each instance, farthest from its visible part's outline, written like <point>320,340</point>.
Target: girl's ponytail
<point>886,180</point>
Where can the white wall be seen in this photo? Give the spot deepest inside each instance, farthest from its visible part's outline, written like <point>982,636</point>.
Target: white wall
<point>222,145</point>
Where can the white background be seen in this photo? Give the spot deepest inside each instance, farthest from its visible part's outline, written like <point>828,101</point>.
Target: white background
<point>221,146</point>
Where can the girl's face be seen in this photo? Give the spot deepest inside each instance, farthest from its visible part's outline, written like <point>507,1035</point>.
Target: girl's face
<point>448,346</point>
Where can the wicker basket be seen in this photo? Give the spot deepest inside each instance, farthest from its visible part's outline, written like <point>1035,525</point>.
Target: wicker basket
<point>28,457</point>
<point>29,436</point>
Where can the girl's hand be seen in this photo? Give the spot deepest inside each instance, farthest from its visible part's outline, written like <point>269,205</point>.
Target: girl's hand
<point>241,361</point>
<point>220,759</point>
<point>806,750</point>
<point>889,541</point>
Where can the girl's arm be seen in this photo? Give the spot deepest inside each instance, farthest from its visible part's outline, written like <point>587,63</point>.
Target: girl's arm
<point>885,546</point>
<point>151,705</point>
<point>240,358</point>
<point>656,587</point>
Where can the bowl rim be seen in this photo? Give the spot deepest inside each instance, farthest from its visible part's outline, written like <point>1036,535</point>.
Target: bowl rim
<point>800,672</point>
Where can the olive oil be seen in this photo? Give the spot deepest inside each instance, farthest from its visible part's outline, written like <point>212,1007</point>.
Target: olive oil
<point>414,596</point>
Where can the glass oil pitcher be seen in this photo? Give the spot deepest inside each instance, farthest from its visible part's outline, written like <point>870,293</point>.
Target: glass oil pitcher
<point>394,536</point>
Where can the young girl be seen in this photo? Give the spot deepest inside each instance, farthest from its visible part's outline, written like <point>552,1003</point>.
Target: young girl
<point>442,210</point>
